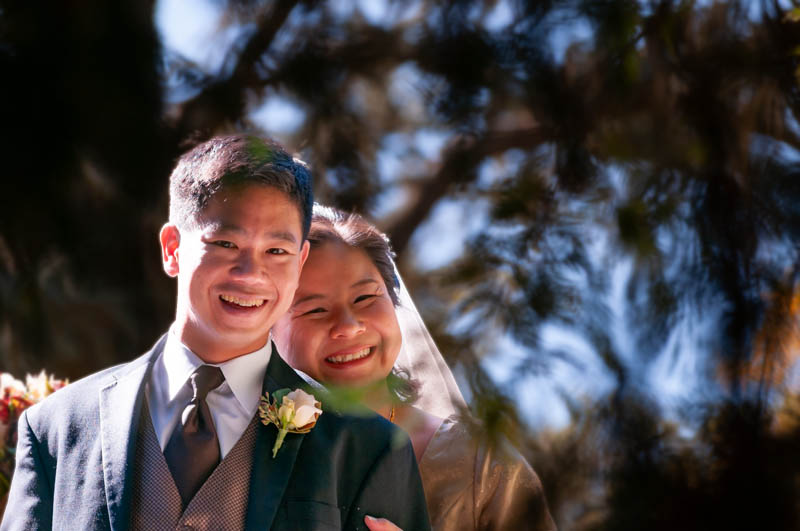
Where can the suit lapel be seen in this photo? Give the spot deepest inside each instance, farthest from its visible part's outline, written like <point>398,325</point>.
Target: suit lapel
<point>270,476</point>
<point>120,409</point>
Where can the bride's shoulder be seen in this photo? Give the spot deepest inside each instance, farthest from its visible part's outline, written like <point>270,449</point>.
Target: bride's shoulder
<point>457,439</point>
<point>450,441</point>
<point>420,426</point>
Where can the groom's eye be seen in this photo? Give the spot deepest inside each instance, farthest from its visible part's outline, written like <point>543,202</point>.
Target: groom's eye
<point>315,310</point>
<point>276,250</point>
<point>224,243</point>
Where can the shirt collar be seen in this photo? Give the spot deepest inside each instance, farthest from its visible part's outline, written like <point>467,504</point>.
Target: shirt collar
<point>244,375</point>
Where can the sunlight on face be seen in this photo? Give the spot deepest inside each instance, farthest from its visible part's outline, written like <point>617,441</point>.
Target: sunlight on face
<point>341,327</point>
<point>237,271</point>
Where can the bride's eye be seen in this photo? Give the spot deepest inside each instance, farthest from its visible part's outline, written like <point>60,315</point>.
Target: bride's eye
<point>362,298</point>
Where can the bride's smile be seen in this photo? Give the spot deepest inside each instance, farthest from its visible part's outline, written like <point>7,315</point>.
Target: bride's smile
<point>349,356</point>
<point>341,327</point>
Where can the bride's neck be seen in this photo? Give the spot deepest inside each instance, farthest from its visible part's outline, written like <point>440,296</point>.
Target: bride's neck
<point>379,399</point>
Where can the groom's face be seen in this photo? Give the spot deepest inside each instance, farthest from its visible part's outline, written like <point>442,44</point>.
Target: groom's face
<point>237,270</point>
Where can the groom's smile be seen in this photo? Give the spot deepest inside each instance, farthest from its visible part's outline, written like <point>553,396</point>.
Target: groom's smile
<point>235,301</point>
<point>238,306</point>
<point>237,270</point>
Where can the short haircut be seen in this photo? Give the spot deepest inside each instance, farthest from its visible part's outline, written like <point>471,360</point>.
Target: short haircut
<point>225,162</point>
<point>329,224</point>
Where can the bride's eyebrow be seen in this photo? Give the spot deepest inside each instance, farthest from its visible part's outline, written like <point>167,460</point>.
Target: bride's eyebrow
<point>364,281</point>
<point>308,298</point>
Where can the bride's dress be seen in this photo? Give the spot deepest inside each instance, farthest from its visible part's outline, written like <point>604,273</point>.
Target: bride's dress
<point>469,484</point>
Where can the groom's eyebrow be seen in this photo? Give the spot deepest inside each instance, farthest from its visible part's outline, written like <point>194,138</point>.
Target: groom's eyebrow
<point>283,235</point>
<point>278,234</point>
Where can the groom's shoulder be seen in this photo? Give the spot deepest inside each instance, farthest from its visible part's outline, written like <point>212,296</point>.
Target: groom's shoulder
<point>80,399</point>
<point>360,431</point>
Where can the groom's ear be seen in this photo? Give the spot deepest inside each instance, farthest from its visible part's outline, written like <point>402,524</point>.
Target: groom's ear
<point>170,237</point>
<point>306,247</point>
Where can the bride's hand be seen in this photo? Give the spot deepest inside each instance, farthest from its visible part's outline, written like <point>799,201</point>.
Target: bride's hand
<point>380,524</point>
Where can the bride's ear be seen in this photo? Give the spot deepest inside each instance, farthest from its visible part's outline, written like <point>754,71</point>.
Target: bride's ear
<point>170,238</point>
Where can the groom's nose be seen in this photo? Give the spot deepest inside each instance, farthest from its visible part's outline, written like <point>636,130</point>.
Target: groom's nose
<point>247,265</point>
<point>346,324</point>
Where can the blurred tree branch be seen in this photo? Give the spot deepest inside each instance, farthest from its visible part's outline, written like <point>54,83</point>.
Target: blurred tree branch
<point>590,139</point>
<point>224,100</point>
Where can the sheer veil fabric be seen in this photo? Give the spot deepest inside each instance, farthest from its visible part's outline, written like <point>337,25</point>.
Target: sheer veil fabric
<point>469,484</point>
<point>421,360</point>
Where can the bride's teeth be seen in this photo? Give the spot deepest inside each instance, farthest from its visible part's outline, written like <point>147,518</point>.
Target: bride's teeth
<point>247,303</point>
<point>349,357</point>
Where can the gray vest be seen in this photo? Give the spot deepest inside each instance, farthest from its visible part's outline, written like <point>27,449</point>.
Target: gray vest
<point>220,504</point>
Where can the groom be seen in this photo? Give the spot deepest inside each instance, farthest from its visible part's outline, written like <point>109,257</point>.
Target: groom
<point>172,439</point>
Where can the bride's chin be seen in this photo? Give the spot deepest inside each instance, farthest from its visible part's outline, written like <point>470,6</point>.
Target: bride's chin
<point>355,379</point>
<point>354,382</point>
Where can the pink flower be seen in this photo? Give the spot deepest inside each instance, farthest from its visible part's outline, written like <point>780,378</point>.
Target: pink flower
<point>5,421</point>
<point>41,385</point>
<point>10,386</point>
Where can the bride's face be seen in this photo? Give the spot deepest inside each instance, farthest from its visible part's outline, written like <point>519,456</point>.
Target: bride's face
<point>341,327</point>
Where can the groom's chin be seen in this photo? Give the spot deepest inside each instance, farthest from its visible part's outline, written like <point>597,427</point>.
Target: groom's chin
<point>225,344</point>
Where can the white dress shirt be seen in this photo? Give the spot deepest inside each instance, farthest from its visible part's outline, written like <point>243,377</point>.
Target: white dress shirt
<point>232,404</point>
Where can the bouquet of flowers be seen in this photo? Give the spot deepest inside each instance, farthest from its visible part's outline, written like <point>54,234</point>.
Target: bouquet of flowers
<point>16,397</point>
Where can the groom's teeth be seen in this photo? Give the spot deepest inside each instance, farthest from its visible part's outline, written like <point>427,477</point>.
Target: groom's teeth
<point>247,303</point>
<point>349,357</point>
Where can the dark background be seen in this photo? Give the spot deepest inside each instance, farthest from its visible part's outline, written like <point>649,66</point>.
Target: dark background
<point>663,142</point>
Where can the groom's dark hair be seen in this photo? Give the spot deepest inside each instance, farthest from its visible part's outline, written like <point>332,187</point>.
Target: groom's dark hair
<point>236,160</point>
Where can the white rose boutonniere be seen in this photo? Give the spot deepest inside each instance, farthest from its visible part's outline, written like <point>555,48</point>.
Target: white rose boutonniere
<point>290,411</point>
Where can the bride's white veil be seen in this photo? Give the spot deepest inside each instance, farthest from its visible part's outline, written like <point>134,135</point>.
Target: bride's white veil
<point>421,360</point>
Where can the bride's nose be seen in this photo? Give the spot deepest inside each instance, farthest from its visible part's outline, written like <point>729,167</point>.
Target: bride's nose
<point>346,324</point>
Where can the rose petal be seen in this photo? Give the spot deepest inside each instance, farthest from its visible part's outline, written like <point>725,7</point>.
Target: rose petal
<point>301,398</point>
<point>305,415</point>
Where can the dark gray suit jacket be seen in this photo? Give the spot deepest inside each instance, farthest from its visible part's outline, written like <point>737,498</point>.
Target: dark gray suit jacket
<point>76,448</point>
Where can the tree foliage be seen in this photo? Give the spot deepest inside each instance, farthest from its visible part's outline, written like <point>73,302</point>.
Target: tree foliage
<point>588,137</point>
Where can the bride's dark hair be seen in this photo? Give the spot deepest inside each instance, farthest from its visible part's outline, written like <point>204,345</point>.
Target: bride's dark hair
<point>330,224</point>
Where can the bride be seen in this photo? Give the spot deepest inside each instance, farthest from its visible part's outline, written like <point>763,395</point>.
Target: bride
<point>353,325</point>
